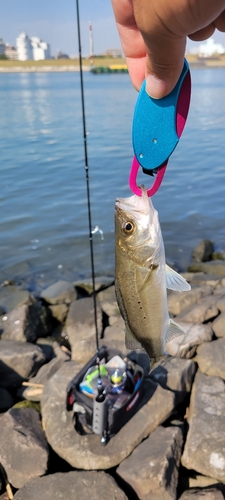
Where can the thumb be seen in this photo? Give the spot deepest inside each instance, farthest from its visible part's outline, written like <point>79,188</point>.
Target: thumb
<point>164,63</point>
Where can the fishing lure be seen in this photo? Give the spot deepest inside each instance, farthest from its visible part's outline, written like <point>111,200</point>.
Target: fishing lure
<point>157,128</point>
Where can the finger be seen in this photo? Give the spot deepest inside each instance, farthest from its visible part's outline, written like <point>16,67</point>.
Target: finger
<point>164,65</point>
<point>220,22</point>
<point>202,34</point>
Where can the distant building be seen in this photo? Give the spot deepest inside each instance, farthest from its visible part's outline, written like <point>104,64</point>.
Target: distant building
<point>113,53</point>
<point>24,48</point>
<point>32,48</point>
<point>210,48</point>
<point>61,55</point>
<point>41,50</point>
<point>2,47</point>
<point>11,52</point>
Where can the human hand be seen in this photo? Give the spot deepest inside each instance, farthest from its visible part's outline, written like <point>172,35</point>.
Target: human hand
<point>153,35</point>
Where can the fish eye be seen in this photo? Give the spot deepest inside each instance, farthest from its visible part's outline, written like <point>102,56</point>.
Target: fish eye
<point>128,227</point>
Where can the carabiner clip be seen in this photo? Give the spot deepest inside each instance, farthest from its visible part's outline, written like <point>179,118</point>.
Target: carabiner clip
<point>156,184</point>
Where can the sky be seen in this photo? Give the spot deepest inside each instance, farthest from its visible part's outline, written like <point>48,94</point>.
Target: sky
<point>54,21</point>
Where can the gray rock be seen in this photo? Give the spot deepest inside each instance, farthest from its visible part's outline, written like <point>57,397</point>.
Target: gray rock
<point>216,267</point>
<point>220,290</point>
<point>108,302</point>
<point>86,452</point>
<point>202,494</point>
<point>33,393</point>
<point>6,400</point>
<point>204,449</point>
<point>218,325</point>
<point>18,361</point>
<point>23,447</point>
<point>199,481</point>
<point>59,312</point>
<point>76,485</point>
<point>80,328</point>
<point>59,293</point>
<point>12,297</point>
<point>220,303</point>
<point>114,336</point>
<point>177,302</point>
<point>185,346</point>
<point>205,310</point>
<point>200,279</point>
<point>101,282</point>
<point>25,323</point>
<point>210,358</point>
<point>218,255</point>
<point>152,468</point>
<point>176,375</point>
<point>203,251</point>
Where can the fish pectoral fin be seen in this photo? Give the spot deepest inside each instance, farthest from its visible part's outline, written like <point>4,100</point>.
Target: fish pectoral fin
<point>174,331</point>
<point>130,341</point>
<point>175,281</point>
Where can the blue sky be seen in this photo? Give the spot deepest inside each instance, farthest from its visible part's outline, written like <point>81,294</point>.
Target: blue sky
<point>54,21</point>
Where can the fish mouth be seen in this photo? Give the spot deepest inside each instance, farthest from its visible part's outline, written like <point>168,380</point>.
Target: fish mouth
<point>134,204</point>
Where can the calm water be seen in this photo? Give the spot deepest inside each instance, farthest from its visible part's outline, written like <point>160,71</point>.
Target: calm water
<point>43,223</point>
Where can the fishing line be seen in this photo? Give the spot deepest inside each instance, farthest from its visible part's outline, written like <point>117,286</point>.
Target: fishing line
<point>87,182</point>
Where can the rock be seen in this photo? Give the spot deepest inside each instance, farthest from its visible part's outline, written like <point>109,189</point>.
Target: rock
<point>185,346</point>
<point>76,485</point>
<point>218,255</point>
<point>216,267</point>
<point>200,279</point>
<point>176,375</point>
<point>152,468</point>
<point>220,290</point>
<point>218,325</point>
<point>108,303</point>
<point>80,328</point>
<point>12,297</point>
<point>6,400</point>
<point>33,393</point>
<point>59,293</point>
<point>25,323</point>
<point>18,361</point>
<point>86,452</point>
<point>101,282</point>
<point>199,481</point>
<point>205,310</point>
<point>59,312</point>
<point>202,494</point>
<point>210,358</point>
<point>220,303</point>
<point>204,449</point>
<point>203,251</point>
<point>177,302</point>
<point>23,447</point>
<point>114,336</point>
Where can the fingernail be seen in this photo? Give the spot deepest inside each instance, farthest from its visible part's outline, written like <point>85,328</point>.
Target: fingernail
<point>155,88</point>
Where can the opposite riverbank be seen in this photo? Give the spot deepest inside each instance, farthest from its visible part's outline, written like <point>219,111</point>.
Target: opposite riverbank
<point>63,65</point>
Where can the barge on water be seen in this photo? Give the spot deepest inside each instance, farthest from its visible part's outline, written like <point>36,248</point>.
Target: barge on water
<point>113,68</point>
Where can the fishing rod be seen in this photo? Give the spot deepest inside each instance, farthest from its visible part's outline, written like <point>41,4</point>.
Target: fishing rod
<point>87,185</point>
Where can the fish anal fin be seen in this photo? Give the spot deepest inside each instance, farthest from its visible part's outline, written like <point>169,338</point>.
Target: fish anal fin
<point>130,341</point>
<point>174,331</point>
<point>175,281</point>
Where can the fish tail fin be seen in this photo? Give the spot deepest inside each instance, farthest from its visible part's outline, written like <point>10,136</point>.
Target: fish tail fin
<point>174,331</point>
<point>130,341</point>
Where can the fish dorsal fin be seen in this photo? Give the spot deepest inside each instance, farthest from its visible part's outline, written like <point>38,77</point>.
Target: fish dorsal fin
<point>174,331</point>
<point>130,341</point>
<point>175,281</point>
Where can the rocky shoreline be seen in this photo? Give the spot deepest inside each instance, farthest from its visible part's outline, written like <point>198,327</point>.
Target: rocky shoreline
<point>174,446</point>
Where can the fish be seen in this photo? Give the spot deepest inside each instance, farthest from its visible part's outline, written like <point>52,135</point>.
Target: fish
<point>142,277</point>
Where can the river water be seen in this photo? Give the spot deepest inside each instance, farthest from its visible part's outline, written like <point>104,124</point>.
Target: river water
<point>44,222</point>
